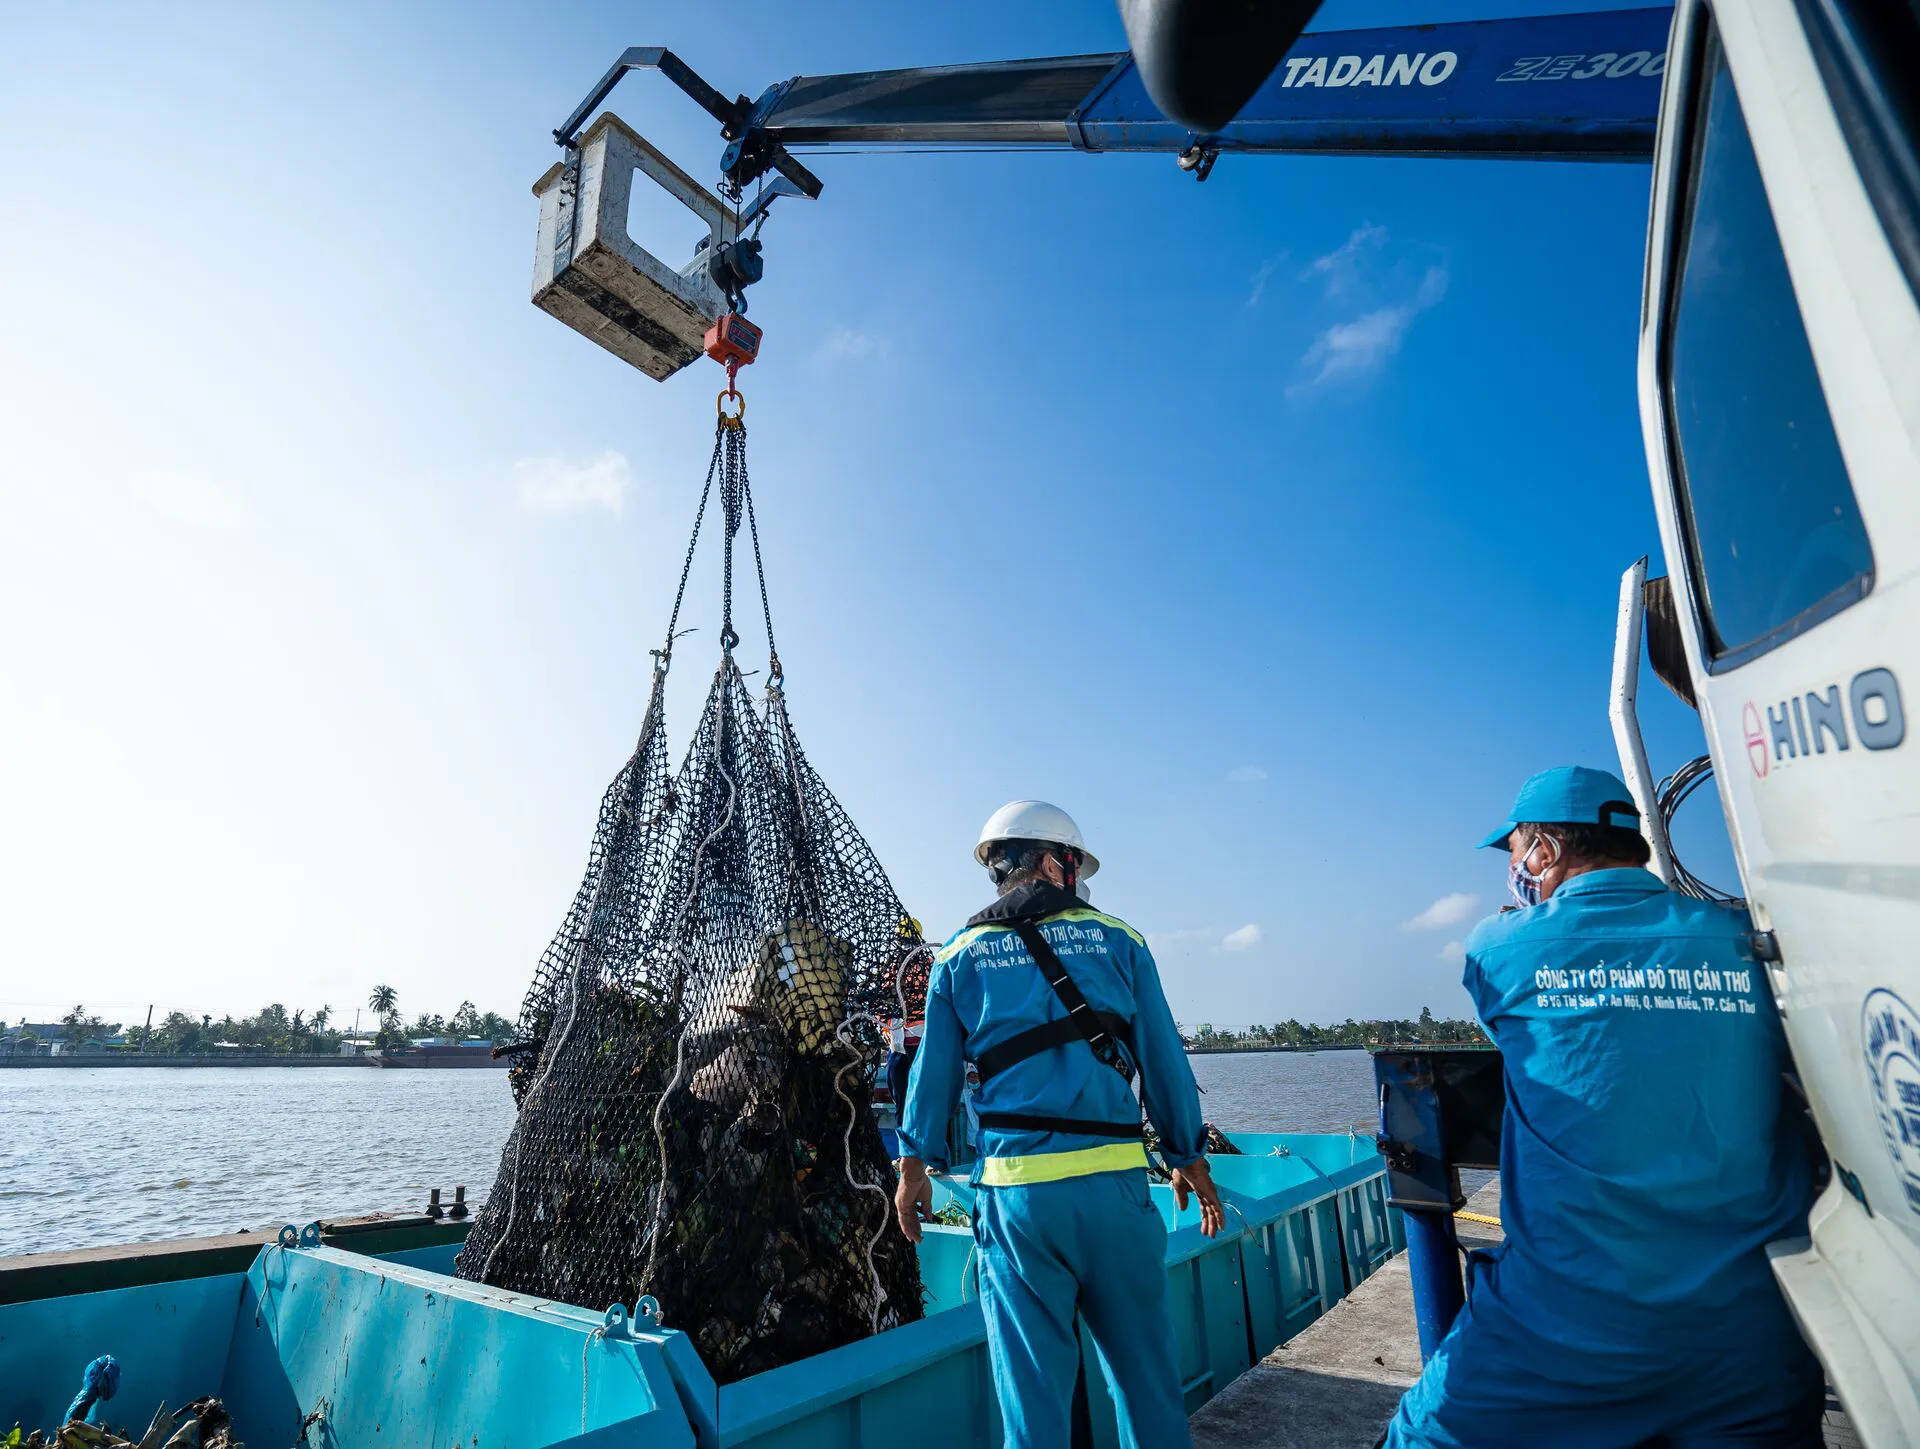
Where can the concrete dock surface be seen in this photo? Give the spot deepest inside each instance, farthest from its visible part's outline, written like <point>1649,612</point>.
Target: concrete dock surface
<point>1335,1384</point>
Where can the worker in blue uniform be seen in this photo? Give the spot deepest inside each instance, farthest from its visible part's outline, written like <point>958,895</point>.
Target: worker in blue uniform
<point>1649,1153</point>
<point>1060,1007</point>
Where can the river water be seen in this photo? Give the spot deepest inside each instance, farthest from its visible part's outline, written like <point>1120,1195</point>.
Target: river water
<point>122,1155</point>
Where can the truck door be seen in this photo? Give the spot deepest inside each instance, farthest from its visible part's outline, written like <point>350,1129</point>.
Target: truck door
<point>1780,401</point>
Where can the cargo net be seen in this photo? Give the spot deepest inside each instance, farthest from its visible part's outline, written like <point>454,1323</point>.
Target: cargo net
<point>700,1040</point>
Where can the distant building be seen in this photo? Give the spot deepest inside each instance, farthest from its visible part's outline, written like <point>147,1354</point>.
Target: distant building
<point>24,1041</point>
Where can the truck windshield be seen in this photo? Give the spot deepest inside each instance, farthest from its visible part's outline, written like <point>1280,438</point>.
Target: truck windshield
<point>1777,539</point>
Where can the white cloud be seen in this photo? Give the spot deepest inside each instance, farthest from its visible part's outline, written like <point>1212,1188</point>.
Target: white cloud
<point>1433,286</point>
<point>1356,348</point>
<point>1449,910</point>
<point>1339,269</point>
<point>1247,775</point>
<point>847,344</point>
<point>189,498</point>
<point>1262,276</point>
<point>558,485</point>
<point>1454,951</point>
<point>1244,939</point>
<point>1363,344</point>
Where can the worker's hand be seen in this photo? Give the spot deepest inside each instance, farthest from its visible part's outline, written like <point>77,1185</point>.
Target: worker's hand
<point>1198,1180</point>
<point>913,1198</point>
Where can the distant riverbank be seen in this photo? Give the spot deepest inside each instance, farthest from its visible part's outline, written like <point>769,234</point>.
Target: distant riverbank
<point>418,1059</point>
<point>1215,1051</point>
<point>160,1059</point>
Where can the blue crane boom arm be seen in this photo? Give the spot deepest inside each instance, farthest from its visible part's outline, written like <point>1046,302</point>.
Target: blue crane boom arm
<point>1571,87</point>
<point>1565,86</point>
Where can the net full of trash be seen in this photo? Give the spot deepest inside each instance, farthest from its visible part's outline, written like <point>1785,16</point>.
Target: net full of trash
<point>700,1039</point>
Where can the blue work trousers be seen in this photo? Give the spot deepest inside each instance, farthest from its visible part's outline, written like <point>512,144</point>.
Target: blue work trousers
<point>1743,1378</point>
<point>1094,1244</point>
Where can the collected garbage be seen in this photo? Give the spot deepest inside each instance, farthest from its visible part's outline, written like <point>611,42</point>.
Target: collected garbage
<point>202,1424</point>
<point>694,1089</point>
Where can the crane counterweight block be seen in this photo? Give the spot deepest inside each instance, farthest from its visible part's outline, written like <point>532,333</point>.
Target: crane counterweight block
<point>593,276</point>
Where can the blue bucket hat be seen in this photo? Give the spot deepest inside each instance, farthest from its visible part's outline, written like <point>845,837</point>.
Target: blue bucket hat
<point>1570,795</point>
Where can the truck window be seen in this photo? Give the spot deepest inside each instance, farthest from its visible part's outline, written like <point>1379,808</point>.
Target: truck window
<point>1776,537</point>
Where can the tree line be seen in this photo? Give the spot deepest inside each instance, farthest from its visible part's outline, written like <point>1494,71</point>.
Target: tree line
<point>1427,1028</point>
<point>273,1030</point>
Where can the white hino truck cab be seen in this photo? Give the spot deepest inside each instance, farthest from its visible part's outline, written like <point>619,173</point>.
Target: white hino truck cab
<point>1779,385</point>
<point>1780,401</point>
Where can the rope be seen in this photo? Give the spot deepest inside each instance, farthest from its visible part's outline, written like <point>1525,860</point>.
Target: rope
<point>853,1118</point>
<point>586,1348</point>
<point>925,948</point>
<point>1478,1218</point>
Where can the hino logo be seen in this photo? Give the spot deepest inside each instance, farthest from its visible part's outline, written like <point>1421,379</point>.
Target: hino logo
<point>1815,722</point>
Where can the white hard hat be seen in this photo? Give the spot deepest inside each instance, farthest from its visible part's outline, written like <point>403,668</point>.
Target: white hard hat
<point>1034,820</point>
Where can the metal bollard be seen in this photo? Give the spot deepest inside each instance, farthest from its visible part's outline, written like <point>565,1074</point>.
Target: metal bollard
<point>1440,1110</point>
<point>1433,1262</point>
<point>459,1202</point>
<point>434,1210</point>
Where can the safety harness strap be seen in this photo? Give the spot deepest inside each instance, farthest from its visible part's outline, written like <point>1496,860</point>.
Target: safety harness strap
<point>1025,1122</point>
<point>1083,1018</point>
<point>1033,1041</point>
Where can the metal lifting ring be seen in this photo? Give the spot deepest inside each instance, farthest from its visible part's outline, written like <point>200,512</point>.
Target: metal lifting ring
<point>729,640</point>
<point>732,420</point>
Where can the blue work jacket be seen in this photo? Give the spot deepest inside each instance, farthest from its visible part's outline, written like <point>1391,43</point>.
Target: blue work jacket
<point>986,988</point>
<point>1650,1148</point>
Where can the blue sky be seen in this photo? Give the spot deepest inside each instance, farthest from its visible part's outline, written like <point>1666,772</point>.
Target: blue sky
<point>1273,526</point>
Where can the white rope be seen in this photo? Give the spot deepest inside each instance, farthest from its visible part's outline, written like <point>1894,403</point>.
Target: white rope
<point>846,1159</point>
<point>586,1348</point>
<point>900,990</point>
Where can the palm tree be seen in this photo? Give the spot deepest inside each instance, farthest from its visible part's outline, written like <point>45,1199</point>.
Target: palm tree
<point>322,1017</point>
<point>383,1000</point>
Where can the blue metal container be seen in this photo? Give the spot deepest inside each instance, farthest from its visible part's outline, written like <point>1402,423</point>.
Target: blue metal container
<point>317,1345</point>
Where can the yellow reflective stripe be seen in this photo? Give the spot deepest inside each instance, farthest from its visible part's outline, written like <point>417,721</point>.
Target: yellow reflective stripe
<point>1056,1166</point>
<point>1102,917</point>
<point>973,933</point>
<point>960,943</point>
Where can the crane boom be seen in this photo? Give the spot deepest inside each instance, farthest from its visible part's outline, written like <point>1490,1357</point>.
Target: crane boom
<point>1574,86</point>
<point>1556,87</point>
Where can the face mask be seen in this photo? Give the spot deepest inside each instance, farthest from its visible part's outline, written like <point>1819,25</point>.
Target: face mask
<point>1524,885</point>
